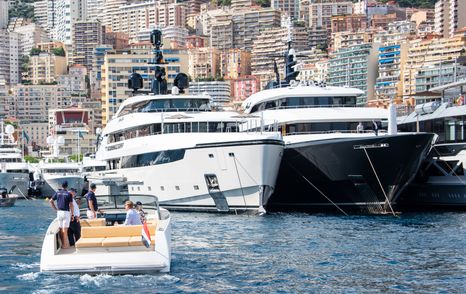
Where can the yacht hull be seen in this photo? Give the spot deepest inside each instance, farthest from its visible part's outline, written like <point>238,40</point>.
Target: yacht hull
<point>20,180</point>
<point>227,177</point>
<point>53,183</point>
<point>353,174</point>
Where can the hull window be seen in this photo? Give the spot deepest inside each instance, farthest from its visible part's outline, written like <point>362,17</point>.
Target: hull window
<point>152,158</point>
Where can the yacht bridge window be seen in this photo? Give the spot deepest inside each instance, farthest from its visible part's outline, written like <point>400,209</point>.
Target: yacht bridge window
<point>297,102</point>
<point>160,105</point>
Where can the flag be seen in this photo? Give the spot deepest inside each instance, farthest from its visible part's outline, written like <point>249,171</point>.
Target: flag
<point>25,136</point>
<point>145,235</point>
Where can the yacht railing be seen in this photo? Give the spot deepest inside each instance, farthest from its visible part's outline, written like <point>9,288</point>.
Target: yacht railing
<point>246,125</point>
<point>336,132</point>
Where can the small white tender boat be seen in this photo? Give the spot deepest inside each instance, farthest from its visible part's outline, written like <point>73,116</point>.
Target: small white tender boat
<point>112,249</point>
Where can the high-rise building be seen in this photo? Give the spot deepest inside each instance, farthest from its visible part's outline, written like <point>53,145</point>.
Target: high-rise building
<point>450,16</point>
<point>393,50</point>
<point>46,67</point>
<point>95,10</point>
<point>243,87</point>
<point>204,63</point>
<point>31,103</point>
<point>321,12</point>
<point>66,13</point>
<point>235,63</point>
<point>248,25</point>
<point>31,35</point>
<point>271,45</point>
<point>173,14</point>
<point>355,67</point>
<point>438,54</point>
<point>87,35</point>
<point>288,7</point>
<point>3,14</point>
<point>219,91</point>
<point>41,13</point>
<point>10,48</point>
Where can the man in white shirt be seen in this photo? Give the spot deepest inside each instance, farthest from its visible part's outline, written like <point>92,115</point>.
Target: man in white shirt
<point>74,231</point>
<point>132,216</point>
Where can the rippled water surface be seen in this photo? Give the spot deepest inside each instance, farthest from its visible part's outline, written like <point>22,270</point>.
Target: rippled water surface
<point>285,253</point>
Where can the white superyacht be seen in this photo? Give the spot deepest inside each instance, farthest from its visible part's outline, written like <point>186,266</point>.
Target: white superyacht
<point>14,171</point>
<point>192,158</point>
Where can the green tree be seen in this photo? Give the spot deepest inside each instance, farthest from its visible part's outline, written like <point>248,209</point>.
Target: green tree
<point>59,51</point>
<point>34,51</point>
<point>31,159</point>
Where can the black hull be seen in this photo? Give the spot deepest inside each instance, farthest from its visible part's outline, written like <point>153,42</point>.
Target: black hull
<point>318,176</point>
<point>425,196</point>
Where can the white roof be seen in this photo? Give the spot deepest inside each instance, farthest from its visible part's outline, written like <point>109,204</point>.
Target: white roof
<point>298,91</point>
<point>443,111</point>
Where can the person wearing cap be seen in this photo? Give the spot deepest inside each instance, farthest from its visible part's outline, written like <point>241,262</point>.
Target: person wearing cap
<point>65,212</point>
<point>74,232</point>
<point>132,216</point>
<point>91,203</point>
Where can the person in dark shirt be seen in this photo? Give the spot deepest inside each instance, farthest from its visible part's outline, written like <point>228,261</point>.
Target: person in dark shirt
<point>91,203</point>
<point>64,210</point>
<point>74,232</point>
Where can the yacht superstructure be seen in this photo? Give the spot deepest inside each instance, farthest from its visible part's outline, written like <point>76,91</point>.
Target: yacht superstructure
<point>192,158</point>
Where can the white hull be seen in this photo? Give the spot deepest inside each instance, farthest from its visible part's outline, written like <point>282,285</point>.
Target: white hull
<point>110,260</point>
<point>20,180</point>
<point>53,182</point>
<point>246,174</point>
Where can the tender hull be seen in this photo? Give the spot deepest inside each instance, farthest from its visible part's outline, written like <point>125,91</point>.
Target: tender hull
<point>245,174</point>
<point>434,195</point>
<point>116,260</point>
<point>319,175</point>
<point>52,183</point>
<point>20,180</point>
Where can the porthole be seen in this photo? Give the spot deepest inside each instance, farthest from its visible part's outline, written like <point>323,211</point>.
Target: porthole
<point>177,188</point>
<point>196,187</point>
<point>211,155</point>
<point>162,188</point>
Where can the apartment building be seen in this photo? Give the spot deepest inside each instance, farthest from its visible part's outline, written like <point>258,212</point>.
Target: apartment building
<point>235,63</point>
<point>10,48</point>
<point>204,63</point>
<point>46,68</point>
<point>321,12</point>
<point>243,87</point>
<point>355,67</point>
<point>219,91</point>
<point>3,14</point>
<point>289,8</point>
<point>450,16</point>
<point>87,35</point>
<point>31,35</point>
<point>31,103</point>
<point>424,54</point>
<point>271,45</point>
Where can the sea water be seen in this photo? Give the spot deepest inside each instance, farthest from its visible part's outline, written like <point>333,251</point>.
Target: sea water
<point>275,253</point>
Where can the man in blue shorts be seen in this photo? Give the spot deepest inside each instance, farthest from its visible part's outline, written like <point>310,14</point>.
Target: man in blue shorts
<point>64,210</point>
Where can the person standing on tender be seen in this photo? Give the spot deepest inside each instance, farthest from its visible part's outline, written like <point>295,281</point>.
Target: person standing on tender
<point>64,210</point>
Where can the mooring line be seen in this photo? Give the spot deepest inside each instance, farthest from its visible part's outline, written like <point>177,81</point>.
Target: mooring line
<point>240,184</point>
<point>310,183</point>
<point>378,180</point>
